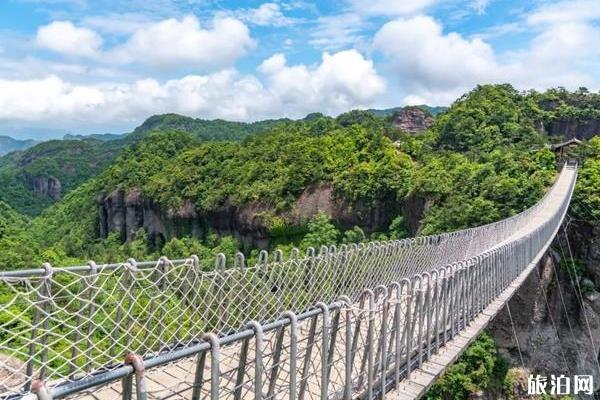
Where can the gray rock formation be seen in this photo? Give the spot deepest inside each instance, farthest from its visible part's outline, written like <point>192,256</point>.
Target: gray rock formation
<point>43,186</point>
<point>125,213</point>
<point>412,120</point>
<point>555,318</point>
<point>571,128</point>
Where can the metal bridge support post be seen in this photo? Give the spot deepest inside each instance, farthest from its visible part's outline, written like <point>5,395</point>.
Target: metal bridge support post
<point>293,351</point>
<point>164,283</point>
<point>239,380</point>
<point>258,352</point>
<point>472,270</point>
<point>275,365</point>
<point>44,297</point>
<point>463,293</point>
<point>347,304</point>
<point>140,381</point>
<point>215,356</point>
<point>370,338</point>
<point>334,328</point>
<point>324,349</point>
<point>43,292</point>
<point>409,328</point>
<point>41,391</point>
<point>436,307</point>
<point>199,376</point>
<point>309,346</point>
<point>77,333</point>
<point>368,356</point>
<point>381,348</point>
<point>129,269</point>
<point>420,310</point>
<point>445,303</point>
<point>452,301</point>
<point>91,311</point>
<point>395,286</point>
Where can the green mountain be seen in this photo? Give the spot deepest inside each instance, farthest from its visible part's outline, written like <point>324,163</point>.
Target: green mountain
<point>105,137</point>
<point>39,176</point>
<point>202,129</point>
<point>8,144</point>
<point>388,112</point>
<point>265,188</point>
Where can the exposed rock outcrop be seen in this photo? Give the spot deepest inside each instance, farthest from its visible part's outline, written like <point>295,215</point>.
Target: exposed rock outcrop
<point>46,186</point>
<point>125,213</point>
<point>555,320</point>
<point>571,128</point>
<point>412,120</point>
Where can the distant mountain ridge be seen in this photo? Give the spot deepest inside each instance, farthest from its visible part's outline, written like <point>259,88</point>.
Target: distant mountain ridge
<point>203,129</point>
<point>104,137</point>
<point>388,112</point>
<point>9,144</point>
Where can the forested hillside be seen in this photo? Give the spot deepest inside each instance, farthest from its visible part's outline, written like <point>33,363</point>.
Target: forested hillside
<point>33,179</point>
<point>35,175</point>
<point>481,161</point>
<point>38,175</point>
<point>178,186</point>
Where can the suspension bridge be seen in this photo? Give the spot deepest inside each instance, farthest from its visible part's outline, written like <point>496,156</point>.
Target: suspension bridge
<point>360,321</point>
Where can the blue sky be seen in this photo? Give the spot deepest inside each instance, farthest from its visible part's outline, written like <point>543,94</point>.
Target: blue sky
<point>89,66</point>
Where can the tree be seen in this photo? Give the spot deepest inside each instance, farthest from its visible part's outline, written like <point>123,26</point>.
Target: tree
<point>398,228</point>
<point>321,232</point>
<point>354,235</point>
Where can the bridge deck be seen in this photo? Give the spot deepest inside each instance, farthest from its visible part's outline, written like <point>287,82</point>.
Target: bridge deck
<point>425,376</point>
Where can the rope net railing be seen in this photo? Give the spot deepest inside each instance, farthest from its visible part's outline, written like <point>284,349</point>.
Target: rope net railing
<point>69,325</point>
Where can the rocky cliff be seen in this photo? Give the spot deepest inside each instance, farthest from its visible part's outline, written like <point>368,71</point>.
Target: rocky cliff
<point>46,186</point>
<point>570,128</point>
<point>254,224</point>
<point>556,313</point>
<point>412,119</point>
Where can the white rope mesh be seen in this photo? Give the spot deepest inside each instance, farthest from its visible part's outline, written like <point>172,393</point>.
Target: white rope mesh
<point>66,324</point>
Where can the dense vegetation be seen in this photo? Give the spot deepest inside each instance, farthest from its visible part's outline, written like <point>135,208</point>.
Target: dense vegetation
<point>202,129</point>
<point>483,160</point>
<point>77,158</point>
<point>71,162</point>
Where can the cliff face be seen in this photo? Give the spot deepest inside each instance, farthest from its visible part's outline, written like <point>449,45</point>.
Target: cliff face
<point>571,128</point>
<point>412,120</point>
<point>43,186</point>
<point>125,213</point>
<point>554,313</point>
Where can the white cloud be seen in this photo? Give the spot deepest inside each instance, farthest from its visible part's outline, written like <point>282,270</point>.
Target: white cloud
<point>64,37</point>
<point>565,11</point>
<point>342,80</point>
<point>390,7</point>
<point>267,14</point>
<point>339,82</point>
<point>162,44</point>
<point>433,66</point>
<point>420,52</point>
<point>338,31</point>
<point>120,24</point>
<point>175,43</point>
<point>480,5</point>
